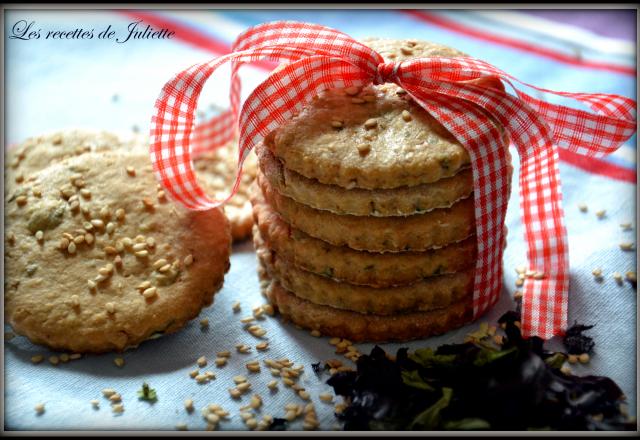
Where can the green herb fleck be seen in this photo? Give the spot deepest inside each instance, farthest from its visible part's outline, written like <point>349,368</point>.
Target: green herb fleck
<point>146,393</point>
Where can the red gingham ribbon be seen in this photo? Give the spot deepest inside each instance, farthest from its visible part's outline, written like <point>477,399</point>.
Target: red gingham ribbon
<point>320,58</point>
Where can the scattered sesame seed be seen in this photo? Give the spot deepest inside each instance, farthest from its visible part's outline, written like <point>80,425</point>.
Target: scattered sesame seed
<point>370,123</point>
<point>256,401</point>
<point>221,361</point>
<point>626,226</point>
<point>326,397</point>
<point>517,295</point>
<point>583,358</point>
<point>85,193</point>
<point>334,341</point>
<point>188,260</point>
<point>194,373</point>
<point>119,362</point>
<point>204,323</point>
<point>337,124</point>
<point>315,333</point>
<point>37,358</point>
<point>519,282</point>
<point>114,398</point>
<point>247,320</point>
<point>54,360</point>
<point>117,408</point>
<point>120,214</point>
<point>39,408</point>
<point>110,228</point>
<point>111,308</point>
<point>225,354</point>
<point>304,395</point>
<point>406,50</point>
<point>181,426</point>
<point>601,214</point>
<point>243,387</point>
<point>201,378</point>
<point>406,116</point>
<point>597,273</point>
<point>234,393</point>
<point>71,248</point>
<point>149,293</point>
<point>272,385</point>
<point>264,345</point>
<point>202,361</point>
<point>39,235</point>
<point>131,171</point>
<point>268,309</point>
<point>626,246</point>
<point>142,254</point>
<point>21,200</point>
<point>631,277</point>
<point>618,277</point>
<point>75,356</point>
<point>95,403</point>
<point>236,305</point>
<point>108,392</point>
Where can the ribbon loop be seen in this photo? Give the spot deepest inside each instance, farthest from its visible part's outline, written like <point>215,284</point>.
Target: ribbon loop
<point>476,113</point>
<point>385,73</point>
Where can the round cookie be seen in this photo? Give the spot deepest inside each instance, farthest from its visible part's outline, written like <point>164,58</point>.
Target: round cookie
<point>98,259</point>
<point>429,294</point>
<point>403,201</point>
<point>374,138</point>
<point>216,172</point>
<point>358,327</point>
<point>417,232</point>
<point>356,267</point>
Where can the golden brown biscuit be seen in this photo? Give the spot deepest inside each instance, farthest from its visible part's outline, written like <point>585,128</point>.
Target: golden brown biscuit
<point>371,138</point>
<point>402,201</point>
<point>417,232</point>
<point>98,259</point>
<point>216,172</point>
<point>429,294</point>
<point>359,327</point>
<point>357,267</point>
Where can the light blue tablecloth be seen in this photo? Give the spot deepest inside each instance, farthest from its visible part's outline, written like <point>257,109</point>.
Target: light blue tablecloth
<point>51,85</point>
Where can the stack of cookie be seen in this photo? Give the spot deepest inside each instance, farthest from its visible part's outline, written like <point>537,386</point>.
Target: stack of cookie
<point>365,215</point>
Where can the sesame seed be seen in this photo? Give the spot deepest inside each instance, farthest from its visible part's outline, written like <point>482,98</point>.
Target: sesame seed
<point>626,246</point>
<point>110,228</point>
<point>618,277</point>
<point>236,305</point>
<point>251,423</point>
<point>161,195</point>
<point>239,379</point>
<point>150,292</point>
<point>201,378</point>
<point>85,193</point>
<point>304,395</point>
<point>95,403</point>
<point>119,362</point>
<point>193,374</point>
<point>91,284</point>
<point>253,368</point>
<point>39,408</point>
<point>256,401</point>
<point>75,356</point>
<point>139,247</point>
<point>37,359</point>
<point>244,386</point>
<point>583,358</point>
<point>75,300</point>
<point>288,382</point>
<point>272,385</point>
<point>159,263</point>
<point>108,392</point>
<point>264,345</point>
<point>364,149</point>
<point>204,323</point>
<point>39,235</point>
<point>213,418</point>
<point>601,214</point>
<point>519,282</point>
<point>221,361</point>
<point>202,361</point>
<point>151,242</point>
<point>268,309</point>
<point>631,277</point>
<point>234,393</point>
<point>315,333</point>
<point>21,200</point>
<point>79,239</point>
<point>164,269</point>
<point>71,248</point>
<point>358,101</point>
<point>54,360</point>
<point>370,123</point>
<point>117,408</point>
<point>626,226</point>
<point>88,238</point>
<point>188,260</point>
<point>334,341</point>
<point>181,426</point>
<point>142,254</point>
<point>225,354</point>
<point>597,273</point>
<point>115,398</point>
<point>352,91</point>
<point>147,202</point>
<point>326,397</point>
<point>120,214</point>
<point>111,308</point>
<point>131,171</point>
<point>406,50</point>
<point>406,116</point>
<point>337,124</point>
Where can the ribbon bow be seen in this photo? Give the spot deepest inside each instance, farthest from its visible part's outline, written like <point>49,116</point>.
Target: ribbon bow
<point>320,58</point>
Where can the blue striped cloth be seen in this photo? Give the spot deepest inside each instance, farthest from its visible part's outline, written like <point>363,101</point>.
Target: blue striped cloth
<point>71,83</point>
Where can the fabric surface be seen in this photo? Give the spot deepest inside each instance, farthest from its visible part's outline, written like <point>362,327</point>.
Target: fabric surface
<point>57,84</point>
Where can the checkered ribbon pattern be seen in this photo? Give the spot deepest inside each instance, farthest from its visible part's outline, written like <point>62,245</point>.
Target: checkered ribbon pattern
<point>319,58</point>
